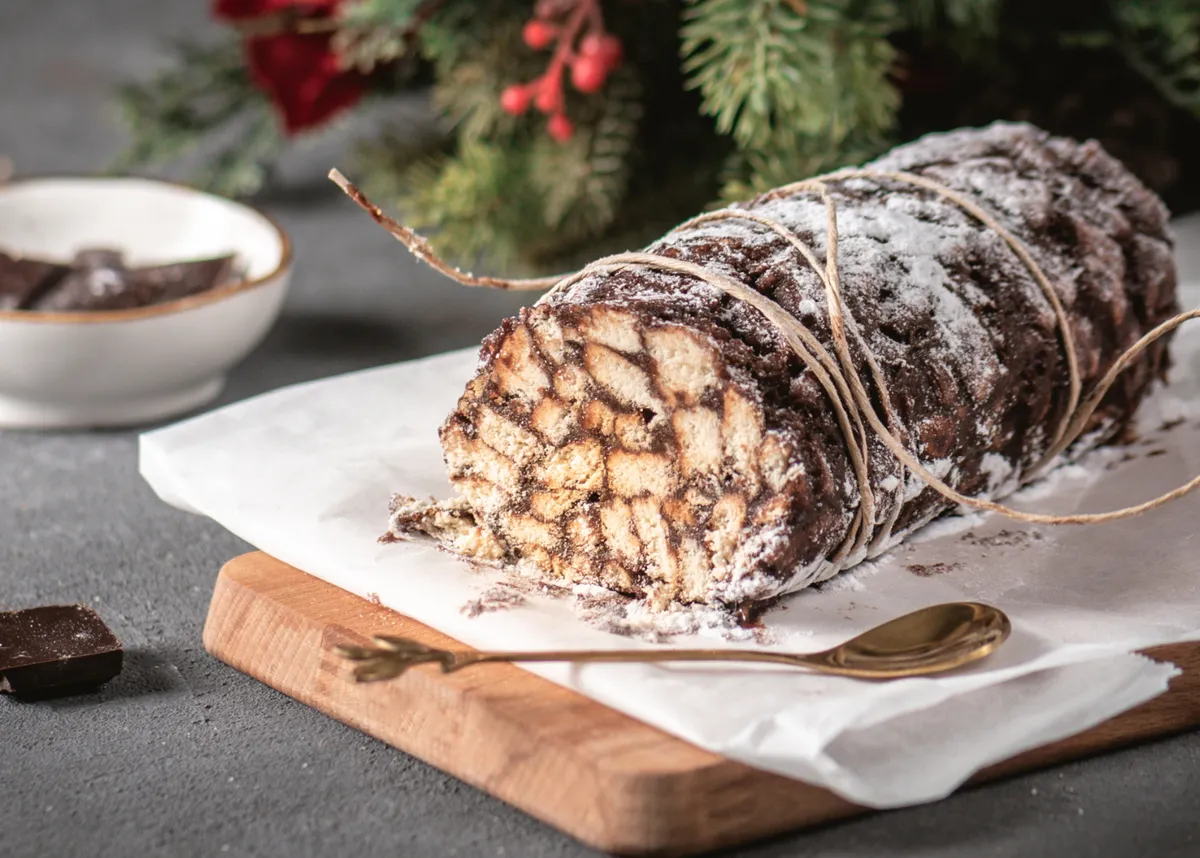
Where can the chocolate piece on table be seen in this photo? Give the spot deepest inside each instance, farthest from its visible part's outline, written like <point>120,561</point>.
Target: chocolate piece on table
<point>54,650</point>
<point>22,281</point>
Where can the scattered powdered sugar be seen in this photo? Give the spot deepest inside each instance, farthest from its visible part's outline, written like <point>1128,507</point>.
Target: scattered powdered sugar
<point>1179,403</point>
<point>946,526</point>
<point>610,611</point>
<point>850,580</point>
<point>590,591</point>
<point>622,615</point>
<point>1051,483</point>
<point>1002,477</point>
<point>1089,467</point>
<point>749,584</point>
<point>808,307</point>
<point>914,485</point>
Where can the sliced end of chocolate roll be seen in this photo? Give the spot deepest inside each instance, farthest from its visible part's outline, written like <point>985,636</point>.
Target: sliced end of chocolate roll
<point>608,446</point>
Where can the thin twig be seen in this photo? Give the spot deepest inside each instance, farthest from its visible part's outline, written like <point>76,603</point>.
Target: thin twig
<point>419,246</point>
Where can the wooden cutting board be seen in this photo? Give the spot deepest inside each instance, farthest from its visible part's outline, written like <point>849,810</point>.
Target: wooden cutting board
<point>600,776</point>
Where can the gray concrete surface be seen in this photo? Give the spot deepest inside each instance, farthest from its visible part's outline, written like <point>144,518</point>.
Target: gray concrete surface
<point>182,756</point>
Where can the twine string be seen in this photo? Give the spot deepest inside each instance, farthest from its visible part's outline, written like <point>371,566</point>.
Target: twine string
<point>838,376</point>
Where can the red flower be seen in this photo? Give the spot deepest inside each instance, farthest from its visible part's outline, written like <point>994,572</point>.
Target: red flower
<point>299,71</point>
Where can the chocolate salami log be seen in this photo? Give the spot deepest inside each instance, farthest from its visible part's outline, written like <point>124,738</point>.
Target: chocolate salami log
<point>646,431</point>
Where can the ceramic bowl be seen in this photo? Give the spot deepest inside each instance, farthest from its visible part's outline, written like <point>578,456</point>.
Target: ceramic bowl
<point>124,367</point>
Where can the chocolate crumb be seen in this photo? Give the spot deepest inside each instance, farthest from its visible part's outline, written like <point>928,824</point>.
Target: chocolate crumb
<point>374,599</point>
<point>1168,425</point>
<point>1158,451</point>
<point>750,616</point>
<point>928,570</point>
<point>498,598</point>
<point>1002,538</point>
<point>1128,456</point>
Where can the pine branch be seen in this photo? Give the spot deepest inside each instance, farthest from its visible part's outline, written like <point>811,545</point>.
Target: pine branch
<point>388,162</point>
<point>801,91</point>
<point>243,167</point>
<point>748,173</point>
<point>510,190</point>
<point>476,202</point>
<point>458,28</point>
<point>1162,41</point>
<point>205,98</point>
<point>521,199</point>
<point>976,20</point>
<point>819,68</point>
<point>583,181</point>
<point>395,14</point>
<point>528,198</point>
<point>467,92</point>
<point>372,33</point>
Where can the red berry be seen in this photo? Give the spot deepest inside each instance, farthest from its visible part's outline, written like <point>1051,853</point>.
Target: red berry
<point>515,99</point>
<point>605,47</point>
<point>591,45</point>
<point>560,128</point>
<point>538,34</point>
<point>549,98</point>
<point>588,73</point>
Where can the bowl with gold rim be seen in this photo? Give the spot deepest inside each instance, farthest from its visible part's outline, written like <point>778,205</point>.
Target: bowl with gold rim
<point>77,350</point>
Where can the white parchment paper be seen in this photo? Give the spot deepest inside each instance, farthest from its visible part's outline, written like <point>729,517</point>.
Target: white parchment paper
<point>304,473</point>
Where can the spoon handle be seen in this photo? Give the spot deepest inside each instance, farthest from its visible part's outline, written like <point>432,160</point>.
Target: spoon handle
<point>929,640</point>
<point>466,659</point>
<point>391,656</point>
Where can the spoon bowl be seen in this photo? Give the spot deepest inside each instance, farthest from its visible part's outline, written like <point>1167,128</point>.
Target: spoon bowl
<point>930,640</point>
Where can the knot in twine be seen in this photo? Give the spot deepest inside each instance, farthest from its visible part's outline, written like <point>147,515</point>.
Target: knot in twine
<point>838,376</point>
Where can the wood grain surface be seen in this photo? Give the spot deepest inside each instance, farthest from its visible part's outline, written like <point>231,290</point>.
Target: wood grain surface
<point>594,773</point>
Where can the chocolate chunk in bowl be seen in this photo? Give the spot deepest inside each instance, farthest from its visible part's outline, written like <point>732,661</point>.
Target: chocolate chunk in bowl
<point>23,281</point>
<point>99,279</point>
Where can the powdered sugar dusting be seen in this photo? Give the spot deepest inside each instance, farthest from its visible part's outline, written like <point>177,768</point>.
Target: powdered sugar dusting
<point>949,525</point>
<point>854,579</point>
<point>637,618</point>
<point>1001,475</point>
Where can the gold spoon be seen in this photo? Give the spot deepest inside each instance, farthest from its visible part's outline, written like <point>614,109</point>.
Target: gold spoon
<point>931,640</point>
